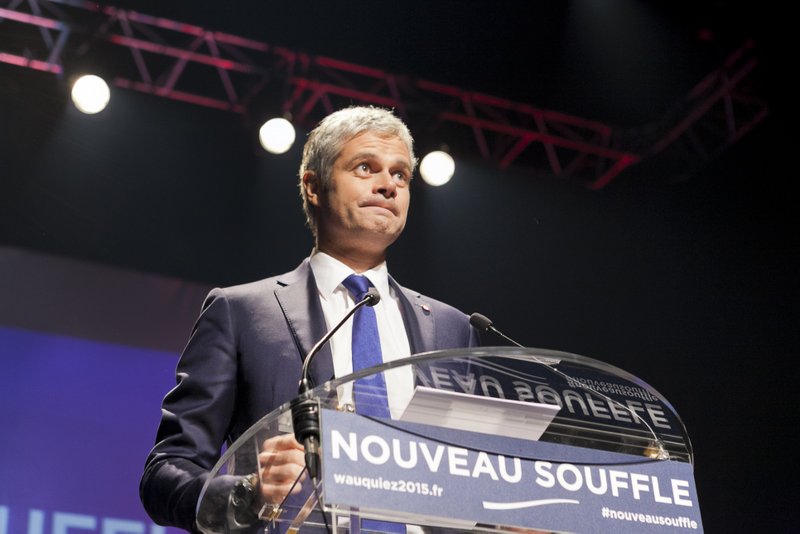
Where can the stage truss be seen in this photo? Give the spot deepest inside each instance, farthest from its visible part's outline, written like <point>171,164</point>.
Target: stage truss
<point>204,67</point>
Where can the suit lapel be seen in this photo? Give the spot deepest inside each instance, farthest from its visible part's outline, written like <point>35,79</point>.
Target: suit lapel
<point>418,319</point>
<point>303,312</point>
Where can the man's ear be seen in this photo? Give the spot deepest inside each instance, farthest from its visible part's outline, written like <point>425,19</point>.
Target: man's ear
<point>312,188</point>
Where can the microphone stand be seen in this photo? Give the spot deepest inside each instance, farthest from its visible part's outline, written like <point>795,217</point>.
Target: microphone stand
<point>484,324</point>
<point>305,409</point>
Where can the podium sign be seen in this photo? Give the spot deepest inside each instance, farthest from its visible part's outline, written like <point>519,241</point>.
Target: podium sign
<point>389,469</point>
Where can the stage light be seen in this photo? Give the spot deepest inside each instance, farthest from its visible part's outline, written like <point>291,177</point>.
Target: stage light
<point>90,94</point>
<point>276,135</point>
<point>437,168</point>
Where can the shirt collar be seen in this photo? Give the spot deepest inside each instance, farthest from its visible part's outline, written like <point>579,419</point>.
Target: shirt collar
<point>330,272</point>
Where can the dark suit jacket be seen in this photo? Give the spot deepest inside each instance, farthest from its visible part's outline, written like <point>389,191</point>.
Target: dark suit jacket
<point>243,360</point>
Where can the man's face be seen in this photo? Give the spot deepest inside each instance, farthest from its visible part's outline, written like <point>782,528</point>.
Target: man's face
<point>365,206</point>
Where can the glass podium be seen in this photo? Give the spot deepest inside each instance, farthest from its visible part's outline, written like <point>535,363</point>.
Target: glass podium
<point>489,439</point>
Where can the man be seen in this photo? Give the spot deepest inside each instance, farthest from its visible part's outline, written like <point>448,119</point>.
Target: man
<point>245,355</point>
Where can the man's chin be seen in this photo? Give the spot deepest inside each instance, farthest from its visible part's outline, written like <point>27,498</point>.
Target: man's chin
<point>381,235</point>
<point>383,222</point>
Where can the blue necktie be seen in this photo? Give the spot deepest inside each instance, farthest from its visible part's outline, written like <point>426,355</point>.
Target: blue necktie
<point>369,393</point>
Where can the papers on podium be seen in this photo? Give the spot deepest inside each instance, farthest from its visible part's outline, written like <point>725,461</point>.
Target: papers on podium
<point>487,415</point>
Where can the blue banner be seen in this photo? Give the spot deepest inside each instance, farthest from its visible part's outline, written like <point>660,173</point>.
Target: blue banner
<point>399,470</point>
<point>79,418</point>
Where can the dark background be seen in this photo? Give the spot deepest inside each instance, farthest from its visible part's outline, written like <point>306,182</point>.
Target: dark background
<point>687,279</point>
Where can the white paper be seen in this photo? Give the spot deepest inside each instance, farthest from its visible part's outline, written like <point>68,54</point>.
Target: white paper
<point>487,415</point>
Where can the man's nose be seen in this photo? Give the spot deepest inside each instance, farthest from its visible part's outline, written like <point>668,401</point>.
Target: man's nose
<point>385,185</point>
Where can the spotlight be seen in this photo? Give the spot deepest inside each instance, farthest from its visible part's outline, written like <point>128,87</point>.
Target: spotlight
<point>90,94</point>
<point>437,168</point>
<point>276,135</point>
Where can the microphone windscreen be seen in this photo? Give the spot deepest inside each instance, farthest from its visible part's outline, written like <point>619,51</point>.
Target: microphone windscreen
<point>374,296</point>
<point>481,322</point>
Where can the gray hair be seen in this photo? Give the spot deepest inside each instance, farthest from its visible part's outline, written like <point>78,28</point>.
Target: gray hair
<point>325,144</point>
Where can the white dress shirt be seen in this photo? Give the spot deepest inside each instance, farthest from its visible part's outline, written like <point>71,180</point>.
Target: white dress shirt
<point>336,302</point>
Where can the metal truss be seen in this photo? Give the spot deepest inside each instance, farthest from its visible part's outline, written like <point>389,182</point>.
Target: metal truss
<point>716,113</point>
<point>227,72</point>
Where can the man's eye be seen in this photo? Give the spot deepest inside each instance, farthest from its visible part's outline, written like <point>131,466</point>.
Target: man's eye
<point>363,167</point>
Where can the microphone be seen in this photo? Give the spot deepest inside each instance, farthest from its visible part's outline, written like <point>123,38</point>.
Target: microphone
<point>305,410</point>
<point>484,324</point>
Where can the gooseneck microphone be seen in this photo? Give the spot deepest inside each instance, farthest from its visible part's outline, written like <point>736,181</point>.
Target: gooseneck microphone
<point>305,410</point>
<point>484,324</point>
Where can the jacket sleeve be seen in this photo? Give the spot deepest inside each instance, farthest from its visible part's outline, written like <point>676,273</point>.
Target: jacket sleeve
<point>195,418</point>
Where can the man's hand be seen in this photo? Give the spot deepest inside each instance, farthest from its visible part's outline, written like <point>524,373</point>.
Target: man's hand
<point>280,462</point>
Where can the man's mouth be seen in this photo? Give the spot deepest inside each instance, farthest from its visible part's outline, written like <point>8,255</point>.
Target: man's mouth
<point>381,205</point>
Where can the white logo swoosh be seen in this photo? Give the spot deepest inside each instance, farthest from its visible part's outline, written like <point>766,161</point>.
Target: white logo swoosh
<point>525,504</point>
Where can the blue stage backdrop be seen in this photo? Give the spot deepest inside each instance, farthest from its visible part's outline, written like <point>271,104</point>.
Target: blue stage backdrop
<point>87,355</point>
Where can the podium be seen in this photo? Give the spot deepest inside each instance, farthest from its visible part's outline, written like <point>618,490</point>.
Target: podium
<point>490,439</point>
